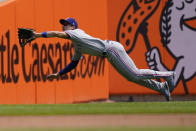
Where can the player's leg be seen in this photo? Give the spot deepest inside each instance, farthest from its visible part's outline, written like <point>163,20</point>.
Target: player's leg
<point>130,76</point>
<point>119,52</point>
<point>118,57</point>
<point>162,88</point>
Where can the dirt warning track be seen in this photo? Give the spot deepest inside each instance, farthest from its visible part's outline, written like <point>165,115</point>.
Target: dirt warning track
<point>98,120</point>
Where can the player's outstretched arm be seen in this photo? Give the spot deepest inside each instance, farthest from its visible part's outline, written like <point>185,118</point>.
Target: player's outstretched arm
<point>49,34</point>
<point>26,35</point>
<point>67,69</point>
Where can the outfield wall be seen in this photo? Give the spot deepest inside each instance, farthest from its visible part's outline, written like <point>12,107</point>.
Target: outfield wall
<point>164,31</point>
<point>24,70</point>
<point>167,32</point>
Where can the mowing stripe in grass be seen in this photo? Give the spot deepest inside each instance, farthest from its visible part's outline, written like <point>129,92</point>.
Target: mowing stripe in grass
<point>100,108</point>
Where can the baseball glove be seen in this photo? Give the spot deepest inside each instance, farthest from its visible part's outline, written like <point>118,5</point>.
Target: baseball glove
<point>25,35</point>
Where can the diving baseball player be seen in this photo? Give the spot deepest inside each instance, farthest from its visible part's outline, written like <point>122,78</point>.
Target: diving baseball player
<point>112,50</point>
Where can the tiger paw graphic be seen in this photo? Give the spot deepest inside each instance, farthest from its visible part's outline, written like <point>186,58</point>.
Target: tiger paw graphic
<point>133,22</point>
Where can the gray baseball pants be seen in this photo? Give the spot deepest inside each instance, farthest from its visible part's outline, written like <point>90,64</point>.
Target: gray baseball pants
<point>120,60</point>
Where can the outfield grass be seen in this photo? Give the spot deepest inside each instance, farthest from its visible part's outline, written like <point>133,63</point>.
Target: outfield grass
<point>100,108</point>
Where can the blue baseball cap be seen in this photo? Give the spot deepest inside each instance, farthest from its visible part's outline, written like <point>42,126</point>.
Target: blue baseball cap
<point>69,20</point>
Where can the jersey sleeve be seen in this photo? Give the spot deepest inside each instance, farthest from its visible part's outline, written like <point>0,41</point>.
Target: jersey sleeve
<point>69,33</point>
<point>77,54</point>
<point>76,35</point>
<point>73,34</point>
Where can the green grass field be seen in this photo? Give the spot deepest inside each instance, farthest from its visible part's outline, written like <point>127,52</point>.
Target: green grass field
<point>101,108</point>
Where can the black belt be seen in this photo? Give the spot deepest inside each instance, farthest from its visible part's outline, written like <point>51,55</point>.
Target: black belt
<point>104,54</point>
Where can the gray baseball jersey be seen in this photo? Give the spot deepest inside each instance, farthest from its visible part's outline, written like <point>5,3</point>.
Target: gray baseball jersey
<point>117,56</point>
<point>85,44</point>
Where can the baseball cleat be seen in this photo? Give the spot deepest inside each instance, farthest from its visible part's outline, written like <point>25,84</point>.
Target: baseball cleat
<point>166,91</point>
<point>170,81</point>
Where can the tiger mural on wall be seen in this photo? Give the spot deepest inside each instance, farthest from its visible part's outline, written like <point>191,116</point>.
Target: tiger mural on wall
<point>177,31</point>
